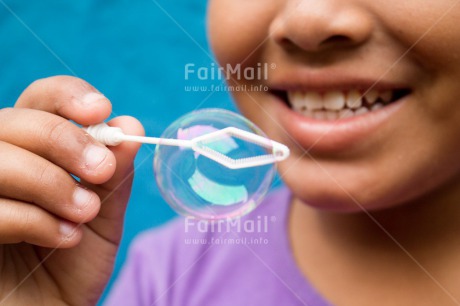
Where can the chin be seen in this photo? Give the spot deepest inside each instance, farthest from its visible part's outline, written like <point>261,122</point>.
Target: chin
<point>340,188</point>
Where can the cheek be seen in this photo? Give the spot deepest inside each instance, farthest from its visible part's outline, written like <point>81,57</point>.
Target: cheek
<point>237,28</point>
<point>373,184</point>
<point>429,31</point>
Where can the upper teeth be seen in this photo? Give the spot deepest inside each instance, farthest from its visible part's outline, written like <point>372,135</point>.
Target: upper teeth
<point>311,103</point>
<point>333,100</point>
<point>354,99</point>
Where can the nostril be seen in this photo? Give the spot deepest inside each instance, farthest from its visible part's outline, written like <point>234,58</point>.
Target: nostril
<point>336,39</point>
<point>333,41</point>
<point>286,43</point>
<point>322,27</point>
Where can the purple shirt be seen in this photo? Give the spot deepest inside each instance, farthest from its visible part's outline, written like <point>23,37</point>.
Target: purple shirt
<point>191,262</point>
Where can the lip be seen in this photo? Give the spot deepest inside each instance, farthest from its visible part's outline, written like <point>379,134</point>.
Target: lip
<point>328,79</point>
<point>324,136</point>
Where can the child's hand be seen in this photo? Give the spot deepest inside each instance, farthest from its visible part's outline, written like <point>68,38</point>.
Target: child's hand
<point>40,203</point>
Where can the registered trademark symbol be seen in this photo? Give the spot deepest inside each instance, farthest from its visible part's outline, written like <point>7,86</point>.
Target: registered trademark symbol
<point>273,66</point>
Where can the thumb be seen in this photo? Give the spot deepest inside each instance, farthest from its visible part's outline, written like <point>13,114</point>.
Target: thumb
<point>114,193</point>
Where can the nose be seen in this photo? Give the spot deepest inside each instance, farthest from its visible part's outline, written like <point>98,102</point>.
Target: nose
<point>318,25</point>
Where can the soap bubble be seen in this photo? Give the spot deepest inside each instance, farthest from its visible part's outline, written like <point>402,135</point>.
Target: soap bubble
<point>197,186</point>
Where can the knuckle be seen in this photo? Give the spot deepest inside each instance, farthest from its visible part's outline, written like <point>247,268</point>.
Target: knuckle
<point>59,135</point>
<point>27,220</point>
<point>49,179</point>
<point>54,132</point>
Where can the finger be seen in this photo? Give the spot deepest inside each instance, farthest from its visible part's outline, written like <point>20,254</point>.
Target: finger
<point>59,141</point>
<point>67,96</point>
<point>114,194</point>
<point>23,222</point>
<point>27,177</point>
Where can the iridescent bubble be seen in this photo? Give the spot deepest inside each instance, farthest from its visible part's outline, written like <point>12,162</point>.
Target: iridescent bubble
<point>197,186</point>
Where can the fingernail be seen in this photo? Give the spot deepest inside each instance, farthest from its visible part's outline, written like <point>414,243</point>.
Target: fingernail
<point>81,198</point>
<point>95,156</point>
<point>67,229</point>
<point>92,98</point>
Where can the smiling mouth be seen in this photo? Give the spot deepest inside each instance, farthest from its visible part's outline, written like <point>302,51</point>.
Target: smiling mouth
<point>337,104</point>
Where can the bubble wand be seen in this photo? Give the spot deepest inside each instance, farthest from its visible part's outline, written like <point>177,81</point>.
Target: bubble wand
<point>276,152</point>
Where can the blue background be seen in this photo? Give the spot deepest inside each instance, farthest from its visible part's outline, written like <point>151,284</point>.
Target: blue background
<point>132,51</point>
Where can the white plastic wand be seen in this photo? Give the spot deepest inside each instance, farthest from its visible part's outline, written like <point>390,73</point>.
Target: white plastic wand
<point>113,136</point>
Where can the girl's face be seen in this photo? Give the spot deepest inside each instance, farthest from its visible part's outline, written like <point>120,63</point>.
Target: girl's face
<point>398,142</point>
